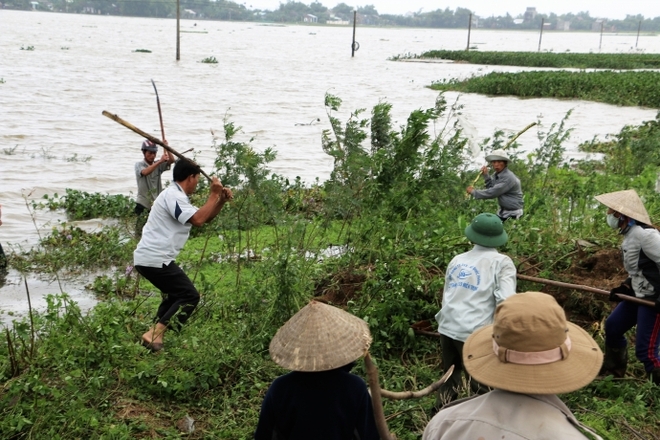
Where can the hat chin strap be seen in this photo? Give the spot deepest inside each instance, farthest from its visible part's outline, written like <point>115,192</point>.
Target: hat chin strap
<point>506,355</point>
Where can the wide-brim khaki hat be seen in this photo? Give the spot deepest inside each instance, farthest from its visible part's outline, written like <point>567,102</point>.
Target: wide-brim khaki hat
<point>498,155</point>
<point>627,203</point>
<point>320,337</point>
<point>530,348</point>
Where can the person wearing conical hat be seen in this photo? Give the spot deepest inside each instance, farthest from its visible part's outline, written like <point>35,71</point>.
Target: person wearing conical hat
<point>475,282</point>
<point>528,355</point>
<point>641,259</point>
<point>319,398</point>
<point>502,184</point>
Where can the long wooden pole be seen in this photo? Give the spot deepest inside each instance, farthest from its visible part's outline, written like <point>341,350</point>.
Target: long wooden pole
<point>160,113</point>
<point>377,402</point>
<point>628,298</point>
<point>153,139</point>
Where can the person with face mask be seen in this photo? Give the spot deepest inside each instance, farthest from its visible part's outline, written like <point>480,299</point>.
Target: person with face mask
<point>641,259</point>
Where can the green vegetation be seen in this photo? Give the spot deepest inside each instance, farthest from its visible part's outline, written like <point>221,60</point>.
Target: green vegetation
<point>81,205</point>
<point>142,50</point>
<point>209,60</point>
<point>395,201</point>
<point>547,59</point>
<point>619,88</point>
<point>27,48</point>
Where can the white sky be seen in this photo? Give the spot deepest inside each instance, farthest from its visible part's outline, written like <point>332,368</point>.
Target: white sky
<point>613,9</point>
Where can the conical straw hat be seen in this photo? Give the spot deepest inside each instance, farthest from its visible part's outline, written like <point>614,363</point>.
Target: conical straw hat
<point>627,203</point>
<point>318,338</point>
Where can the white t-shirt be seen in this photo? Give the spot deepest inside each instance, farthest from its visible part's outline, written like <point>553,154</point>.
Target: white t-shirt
<point>167,228</point>
<point>475,283</point>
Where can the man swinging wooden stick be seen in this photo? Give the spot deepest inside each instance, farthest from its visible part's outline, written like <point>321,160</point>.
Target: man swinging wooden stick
<point>502,184</point>
<point>164,235</point>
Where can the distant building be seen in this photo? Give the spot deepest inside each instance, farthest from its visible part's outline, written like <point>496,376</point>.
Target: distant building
<point>309,18</point>
<point>530,14</point>
<point>563,25</point>
<point>336,20</point>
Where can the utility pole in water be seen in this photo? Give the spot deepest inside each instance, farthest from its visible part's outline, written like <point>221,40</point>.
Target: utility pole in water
<point>178,17</point>
<point>639,28</point>
<point>469,29</point>
<point>541,35</point>
<point>355,45</point>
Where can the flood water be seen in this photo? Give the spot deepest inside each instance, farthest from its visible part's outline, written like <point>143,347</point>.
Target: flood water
<point>60,71</point>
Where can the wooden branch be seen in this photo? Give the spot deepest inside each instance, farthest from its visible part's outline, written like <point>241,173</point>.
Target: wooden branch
<point>401,395</point>
<point>377,403</point>
<point>628,298</point>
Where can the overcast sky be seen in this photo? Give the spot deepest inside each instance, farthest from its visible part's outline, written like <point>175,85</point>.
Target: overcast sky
<point>613,9</point>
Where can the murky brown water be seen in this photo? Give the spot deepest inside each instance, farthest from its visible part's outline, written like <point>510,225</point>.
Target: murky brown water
<point>270,80</point>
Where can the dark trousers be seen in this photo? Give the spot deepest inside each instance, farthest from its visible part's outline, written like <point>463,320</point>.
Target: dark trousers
<point>452,354</point>
<point>142,214</point>
<point>179,294</point>
<point>625,316</point>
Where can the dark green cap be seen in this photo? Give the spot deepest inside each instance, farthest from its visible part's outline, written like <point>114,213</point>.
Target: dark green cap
<point>486,230</point>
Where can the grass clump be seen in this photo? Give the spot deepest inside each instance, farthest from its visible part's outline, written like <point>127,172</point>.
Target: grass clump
<point>209,60</point>
<point>618,88</point>
<point>615,61</point>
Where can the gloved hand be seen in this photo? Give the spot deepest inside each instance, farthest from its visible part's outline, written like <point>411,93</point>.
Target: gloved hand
<point>624,289</point>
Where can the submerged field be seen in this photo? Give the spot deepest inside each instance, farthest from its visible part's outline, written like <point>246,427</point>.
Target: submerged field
<point>396,209</point>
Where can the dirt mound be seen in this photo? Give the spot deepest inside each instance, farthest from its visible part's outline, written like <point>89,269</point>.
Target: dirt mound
<point>601,269</point>
<point>339,288</point>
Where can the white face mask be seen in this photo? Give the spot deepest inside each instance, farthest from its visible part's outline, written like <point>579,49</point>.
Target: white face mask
<point>612,221</point>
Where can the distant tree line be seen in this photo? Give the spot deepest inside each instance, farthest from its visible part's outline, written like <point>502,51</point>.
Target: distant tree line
<point>296,12</point>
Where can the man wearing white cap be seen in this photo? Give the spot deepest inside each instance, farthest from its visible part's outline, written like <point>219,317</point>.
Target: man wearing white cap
<point>528,355</point>
<point>641,259</point>
<point>320,399</point>
<point>503,184</point>
<point>147,175</point>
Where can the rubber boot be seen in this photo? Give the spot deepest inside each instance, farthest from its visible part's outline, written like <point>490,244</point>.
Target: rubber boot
<point>615,362</point>
<point>654,375</point>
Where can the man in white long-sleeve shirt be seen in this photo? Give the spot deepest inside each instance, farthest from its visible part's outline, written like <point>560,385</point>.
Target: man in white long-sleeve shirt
<point>475,283</point>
